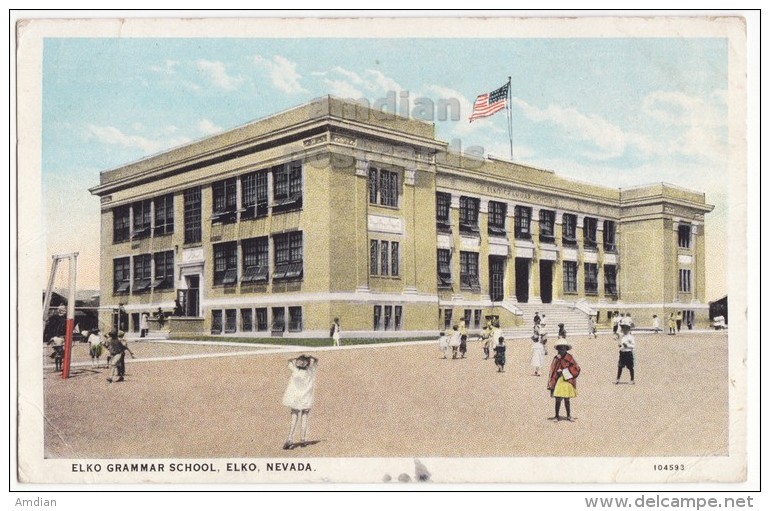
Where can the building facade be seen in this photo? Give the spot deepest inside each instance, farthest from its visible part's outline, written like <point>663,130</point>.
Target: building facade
<point>333,210</point>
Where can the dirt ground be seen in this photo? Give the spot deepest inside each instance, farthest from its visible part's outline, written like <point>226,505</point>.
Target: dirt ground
<point>392,401</point>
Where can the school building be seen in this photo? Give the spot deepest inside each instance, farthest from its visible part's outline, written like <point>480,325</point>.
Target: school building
<point>332,209</point>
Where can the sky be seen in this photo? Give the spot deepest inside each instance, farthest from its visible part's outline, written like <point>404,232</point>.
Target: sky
<point>614,111</point>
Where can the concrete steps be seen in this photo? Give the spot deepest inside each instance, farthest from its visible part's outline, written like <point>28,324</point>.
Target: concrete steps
<point>575,320</point>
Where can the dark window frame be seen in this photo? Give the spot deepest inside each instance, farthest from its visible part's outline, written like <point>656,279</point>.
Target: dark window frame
<point>121,224</point>
<point>295,319</point>
<point>590,225</point>
<point>570,281</point>
<point>547,226</point>
<point>522,216</point>
<point>224,201</point>
<point>469,270</point>
<point>444,267</point>
<point>255,259</point>
<point>469,215</point>
<point>141,223</point>
<point>225,263</point>
<point>193,210</point>
<point>609,236</point>
<point>163,274</point>
<point>591,278</point>
<point>684,235</point>
<point>121,275</point>
<point>287,186</point>
<point>569,229</point>
<point>443,212</point>
<point>254,195</point>
<point>164,215</point>
<point>496,215</point>
<point>288,256</point>
<point>142,276</point>
<point>610,279</point>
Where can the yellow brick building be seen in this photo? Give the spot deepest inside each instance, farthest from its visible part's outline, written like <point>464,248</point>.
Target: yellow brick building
<point>333,210</point>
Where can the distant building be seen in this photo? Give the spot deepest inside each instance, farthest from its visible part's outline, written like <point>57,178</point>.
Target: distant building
<point>332,210</point>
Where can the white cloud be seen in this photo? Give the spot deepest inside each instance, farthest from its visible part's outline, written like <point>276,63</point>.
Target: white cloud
<point>217,73</point>
<point>167,68</point>
<point>282,72</point>
<point>607,139</point>
<point>111,135</point>
<point>208,128</point>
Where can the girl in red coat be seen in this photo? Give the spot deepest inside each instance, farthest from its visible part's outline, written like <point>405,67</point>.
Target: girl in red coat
<point>562,380</point>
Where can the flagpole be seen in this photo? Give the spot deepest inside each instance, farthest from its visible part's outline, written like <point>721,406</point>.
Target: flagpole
<point>510,117</point>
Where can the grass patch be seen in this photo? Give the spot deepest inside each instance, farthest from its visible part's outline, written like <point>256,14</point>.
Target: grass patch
<point>309,342</point>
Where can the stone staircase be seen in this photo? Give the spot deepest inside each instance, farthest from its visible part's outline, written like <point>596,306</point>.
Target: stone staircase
<point>575,320</point>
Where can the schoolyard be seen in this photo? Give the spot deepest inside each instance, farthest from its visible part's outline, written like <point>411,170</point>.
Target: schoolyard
<point>183,400</point>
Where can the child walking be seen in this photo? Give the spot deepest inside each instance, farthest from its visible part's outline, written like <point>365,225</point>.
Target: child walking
<point>95,347</point>
<point>500,355</point>
<point>538,356</point>
<point>299,396</point>
<point>443,343</point>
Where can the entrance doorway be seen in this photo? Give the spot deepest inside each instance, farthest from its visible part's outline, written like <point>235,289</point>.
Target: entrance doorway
<point>546,281</point>
<point>496,278</point>
<point>522,279</point>
<point>189,299</point>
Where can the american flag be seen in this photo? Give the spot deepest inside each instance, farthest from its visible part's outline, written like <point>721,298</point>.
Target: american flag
<point>491,103</point>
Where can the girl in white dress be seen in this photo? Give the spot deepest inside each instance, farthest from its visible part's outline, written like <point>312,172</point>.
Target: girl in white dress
<point>299,395</point>
<point>538,355</point>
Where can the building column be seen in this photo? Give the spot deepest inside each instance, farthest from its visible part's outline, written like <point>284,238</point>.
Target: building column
<point>361,198</point>
<point>408,207</point>
<point>534,273</point>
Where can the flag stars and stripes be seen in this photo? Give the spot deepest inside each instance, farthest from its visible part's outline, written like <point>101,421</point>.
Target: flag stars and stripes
<point>490,103</point>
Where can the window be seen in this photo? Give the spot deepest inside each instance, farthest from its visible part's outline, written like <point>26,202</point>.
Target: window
<point>255,260</point>
<point>388,317</point>
<point>288,255</point>
<point>469,270</point>
<point>444,267</point>
<point>383,187</point>
<point>216,321</point>
<point>247,320</point>
<point>522,217</point>
<point>121,275</point>
<point>287,186</point>
<point>684,281</point>
<point>496,221</point>
<point>569,229</point>
<point>589,232</point>
<point>231,320</point>
<point>394,259</point>
<point>225,208</point>
<point>592,278</point>
<point>262,319</point>
<point>142,273</point>
<point>164,270</point>
<point>279,319</point>
<point>142,212</point>
<point>295,319</point>
<point>121,224</point>
<point>610,279</point>
<point>469,215</point>
<point>377,317</point>
<point>398,317</point>
<point>225,263</point>
<point>164,215</point>
<point>477,318</point>
<point>685,231</point>
<point>374,257</point>
<point>443,220</point>
<point>570,276</point>
<point>447,319</point>
<point>383,258</point>
<point>547,221</point>
<point>467,315</point>
<point>254,195</point>
<point>192,215</point>
<point>608,236</point>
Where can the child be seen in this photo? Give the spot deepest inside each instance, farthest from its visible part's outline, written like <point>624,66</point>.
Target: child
<point>95,347</point>
<point>592,327</point>
<point>626,355</point>
<point>562,380</point>
<point>538,355</point>
<point>463,339</point>
<point>455,340</point>
<point>486,336</point>
<point>500,355</point>
<point>443,343</point>
<point>562,331</point>
<point>656,323</point>
<point>58,351</point>
<point>299,395</point>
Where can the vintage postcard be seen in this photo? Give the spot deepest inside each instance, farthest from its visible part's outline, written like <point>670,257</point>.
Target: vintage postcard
<point>383,250</point>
